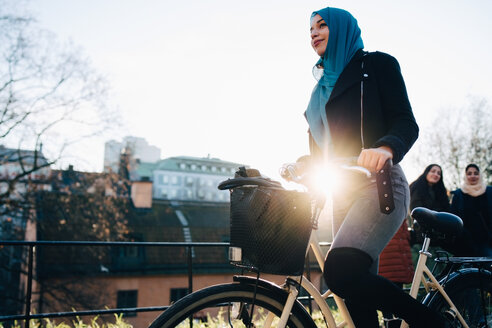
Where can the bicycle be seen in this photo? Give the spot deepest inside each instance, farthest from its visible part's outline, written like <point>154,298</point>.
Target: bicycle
<point>463,292</point>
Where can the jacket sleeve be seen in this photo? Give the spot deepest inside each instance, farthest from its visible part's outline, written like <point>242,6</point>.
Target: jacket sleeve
<point>402,127</point>
<point>416,200</point>
<point>456,206</point>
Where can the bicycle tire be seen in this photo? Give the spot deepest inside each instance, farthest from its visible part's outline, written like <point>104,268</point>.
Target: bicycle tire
<point>471,292</point>
<point>222,297</point>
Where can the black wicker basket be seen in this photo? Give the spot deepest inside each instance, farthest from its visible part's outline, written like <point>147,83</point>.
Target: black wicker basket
<point>272,227</point>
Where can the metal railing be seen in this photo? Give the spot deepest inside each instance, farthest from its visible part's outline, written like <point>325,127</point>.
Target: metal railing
<point>32,245</point>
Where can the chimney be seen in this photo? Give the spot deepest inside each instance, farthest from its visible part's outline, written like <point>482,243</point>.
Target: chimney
<point>141,193</point>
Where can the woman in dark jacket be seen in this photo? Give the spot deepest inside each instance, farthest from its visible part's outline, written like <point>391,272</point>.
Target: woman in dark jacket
<point>359,108</point>
<point>473,203</point>
<point>429,190</point>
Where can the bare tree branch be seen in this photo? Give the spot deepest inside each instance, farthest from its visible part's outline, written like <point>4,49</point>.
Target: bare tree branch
<point>458,137</point>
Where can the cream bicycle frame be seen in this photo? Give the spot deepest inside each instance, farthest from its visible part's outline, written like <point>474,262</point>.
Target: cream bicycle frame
<point>421,272</point>
<point>319,299</point>
<point>429,283</point>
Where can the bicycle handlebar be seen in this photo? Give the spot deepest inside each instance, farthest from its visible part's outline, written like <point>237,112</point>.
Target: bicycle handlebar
<point>290,171</point>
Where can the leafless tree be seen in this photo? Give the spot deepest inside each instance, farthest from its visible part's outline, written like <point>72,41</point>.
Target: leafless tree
<point>457,137</point>
<point>84,206</point>
<point>50,97</point>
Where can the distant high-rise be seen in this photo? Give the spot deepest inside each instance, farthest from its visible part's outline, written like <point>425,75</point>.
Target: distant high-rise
<point>139,149</point>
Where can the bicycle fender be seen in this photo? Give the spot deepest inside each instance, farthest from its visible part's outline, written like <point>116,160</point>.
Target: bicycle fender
<point>275,289</point>
<point>261,282</point>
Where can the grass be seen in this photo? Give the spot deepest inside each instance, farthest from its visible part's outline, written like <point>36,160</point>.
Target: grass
<point>76,323</point>
<point>219,321</point>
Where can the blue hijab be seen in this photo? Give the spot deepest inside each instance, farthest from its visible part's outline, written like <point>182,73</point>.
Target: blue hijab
<point>343,42</point>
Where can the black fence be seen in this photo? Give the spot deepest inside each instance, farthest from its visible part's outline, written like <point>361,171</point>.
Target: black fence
<point>34,245</point>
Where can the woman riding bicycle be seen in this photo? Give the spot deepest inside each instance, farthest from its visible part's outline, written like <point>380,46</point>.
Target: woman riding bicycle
<point>360,102</point>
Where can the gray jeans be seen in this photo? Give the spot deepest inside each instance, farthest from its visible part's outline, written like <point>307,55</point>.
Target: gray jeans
<point>358,221</point>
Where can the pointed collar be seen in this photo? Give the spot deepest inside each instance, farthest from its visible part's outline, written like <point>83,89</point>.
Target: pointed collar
<point>352,73</point>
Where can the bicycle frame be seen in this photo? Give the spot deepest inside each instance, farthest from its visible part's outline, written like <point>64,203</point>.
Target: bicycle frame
<point>422,275</point>
<point>319,299</point>
<point>433,284</point>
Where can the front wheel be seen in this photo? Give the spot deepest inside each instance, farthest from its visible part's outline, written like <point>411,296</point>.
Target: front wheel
<point>471,293</point>
<point>229,305</point>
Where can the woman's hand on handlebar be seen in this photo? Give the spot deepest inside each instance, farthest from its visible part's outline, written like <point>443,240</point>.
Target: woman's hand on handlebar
<point>374,159</point>
<point>297,171</point>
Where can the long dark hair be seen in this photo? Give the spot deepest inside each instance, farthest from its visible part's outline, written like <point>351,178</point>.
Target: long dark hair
<point>421,187</point>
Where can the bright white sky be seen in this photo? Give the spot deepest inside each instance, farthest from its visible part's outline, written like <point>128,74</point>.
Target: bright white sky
<point>232,78</point>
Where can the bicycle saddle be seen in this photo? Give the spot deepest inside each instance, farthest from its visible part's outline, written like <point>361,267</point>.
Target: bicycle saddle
<point>432,221</point>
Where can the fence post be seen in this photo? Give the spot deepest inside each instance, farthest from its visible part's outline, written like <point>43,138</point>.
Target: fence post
<point>190,278</point>
<point>29,285</point>
<point>190,270</point>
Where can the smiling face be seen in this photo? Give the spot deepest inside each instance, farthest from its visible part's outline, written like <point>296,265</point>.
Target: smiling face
<point>472,175</point>
<point>434,175</point>
<point>319,35</point>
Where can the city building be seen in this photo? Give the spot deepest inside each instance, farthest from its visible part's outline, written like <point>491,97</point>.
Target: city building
<point>172,200</point>
<point>188,178</point>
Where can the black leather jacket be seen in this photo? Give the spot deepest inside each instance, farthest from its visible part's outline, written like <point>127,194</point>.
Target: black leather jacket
<point>387,115</point>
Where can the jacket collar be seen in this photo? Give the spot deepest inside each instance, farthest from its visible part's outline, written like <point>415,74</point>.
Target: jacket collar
<point>351,74</point>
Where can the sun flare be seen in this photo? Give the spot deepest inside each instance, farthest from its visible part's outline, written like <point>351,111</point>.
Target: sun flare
<point>325,180</point>
<point>319,179</point>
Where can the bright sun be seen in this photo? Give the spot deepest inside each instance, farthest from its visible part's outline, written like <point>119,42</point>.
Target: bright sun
<point>322,178</point>
<point>325,180</point>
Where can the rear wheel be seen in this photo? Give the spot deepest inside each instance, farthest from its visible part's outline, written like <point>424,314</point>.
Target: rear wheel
<point>471,293</point>
<point>230,305</point>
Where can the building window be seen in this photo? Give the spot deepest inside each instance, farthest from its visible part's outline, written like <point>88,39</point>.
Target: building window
<point>164,179</point>
<point>201,194</point>
<point>177,294</point>
<point>130,252</point>
<point>193,167</point>
<point>189,193</point>
<point>182,166</point>
<point>173,193</point>
<point>189,181</point>
<point>127,299</point>
<point>174,180</point>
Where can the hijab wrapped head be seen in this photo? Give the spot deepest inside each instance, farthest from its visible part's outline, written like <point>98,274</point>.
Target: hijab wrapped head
<point>343,42</point>
<point>477,189</point>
